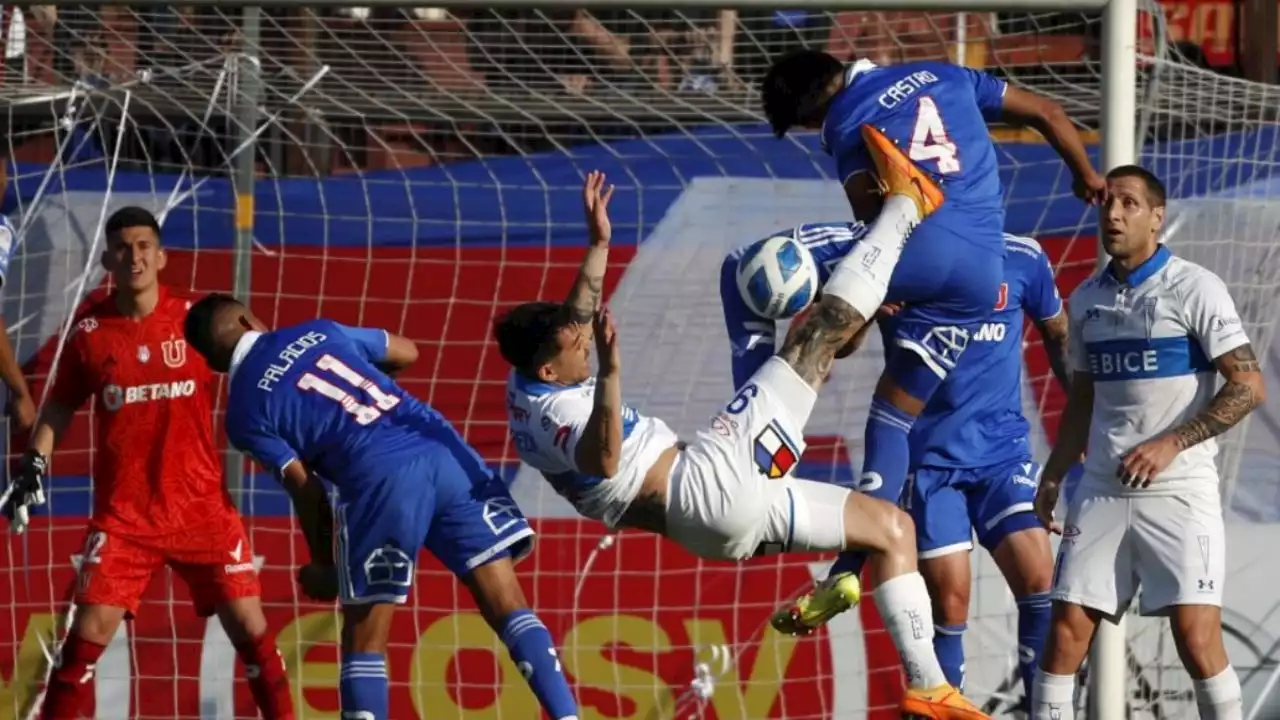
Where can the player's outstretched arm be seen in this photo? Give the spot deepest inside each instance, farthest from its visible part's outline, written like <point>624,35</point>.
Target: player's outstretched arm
<point>599,448</point>
<point>311,505</point>
<point>588,287</point>
<point>1023,107</point>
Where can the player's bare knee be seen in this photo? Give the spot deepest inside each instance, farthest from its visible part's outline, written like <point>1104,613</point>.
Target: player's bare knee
<point>948,588</point>
<point>242,619</point>
<point>899,531</point>
<point>496,590</point>
<point>1197,632</point>
<point>365,628</point>
<point>98,623</point>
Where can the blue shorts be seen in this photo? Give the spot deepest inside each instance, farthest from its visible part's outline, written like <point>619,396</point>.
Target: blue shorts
<point>949,281</point>
<point>949,504</point>
<point>461,513</point>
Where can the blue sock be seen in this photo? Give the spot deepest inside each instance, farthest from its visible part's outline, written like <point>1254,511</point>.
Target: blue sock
<point>534,653</point>
<point>363,686</point>
<point>1033,625</point>
<point>948,645</point>
<point>884,469</point>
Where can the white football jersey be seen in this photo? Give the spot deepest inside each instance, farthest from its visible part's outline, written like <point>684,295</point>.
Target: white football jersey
<point>546,421</point>
<point>1149,344</point>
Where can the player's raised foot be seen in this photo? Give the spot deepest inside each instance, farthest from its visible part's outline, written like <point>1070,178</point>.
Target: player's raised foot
<point>941,703</point>
<point>812,610</point>
<point>900,176</point>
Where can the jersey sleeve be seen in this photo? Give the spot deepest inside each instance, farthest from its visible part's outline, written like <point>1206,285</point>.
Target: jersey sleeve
<point>264,446</point>
<point>988,90</point>
<point>371,342</point>
<point>751,337</point>
<point>1211,316</point>
<point>72,380</point>
<point>1041,300</point>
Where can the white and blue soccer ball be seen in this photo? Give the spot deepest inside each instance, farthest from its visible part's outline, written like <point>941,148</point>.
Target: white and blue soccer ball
<point>778,277</point>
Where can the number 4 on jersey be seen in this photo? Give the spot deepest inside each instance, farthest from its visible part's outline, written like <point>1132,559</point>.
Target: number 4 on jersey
<point>929,139</point>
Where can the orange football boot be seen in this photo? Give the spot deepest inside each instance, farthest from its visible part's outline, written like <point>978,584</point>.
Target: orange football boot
<point>941,703</point>
<point>898,175</point>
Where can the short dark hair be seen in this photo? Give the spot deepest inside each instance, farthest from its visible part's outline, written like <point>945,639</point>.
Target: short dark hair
<point>528,334</point>
<point>1157,196</point>
<point>794,89</point>
<point>201,317</point>
<point>131,216</point>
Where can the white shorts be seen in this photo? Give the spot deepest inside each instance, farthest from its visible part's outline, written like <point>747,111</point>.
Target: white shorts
<point>732,493</point>
<point>1172,547</point>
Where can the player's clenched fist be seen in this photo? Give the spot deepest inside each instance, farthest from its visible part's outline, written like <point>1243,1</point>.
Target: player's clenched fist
<point>606,342</point>
<point>319,582</point>
<point>27,490</point>
<point>595,199</point>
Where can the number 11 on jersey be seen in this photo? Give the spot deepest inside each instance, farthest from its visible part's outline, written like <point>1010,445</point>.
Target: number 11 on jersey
<point>364,414</point>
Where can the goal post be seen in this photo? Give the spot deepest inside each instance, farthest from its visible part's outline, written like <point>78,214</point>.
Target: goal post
<point>391,165</point>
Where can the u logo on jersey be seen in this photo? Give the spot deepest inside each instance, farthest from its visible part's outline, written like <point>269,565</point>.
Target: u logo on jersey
<point>1002,300</point>
<point>174,352</point>
<point>775,453</point>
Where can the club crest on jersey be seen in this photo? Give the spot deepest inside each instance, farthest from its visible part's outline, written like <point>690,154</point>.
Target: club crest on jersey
<point>143,354</point>
<point>174,353</point>
<point>775,453</point>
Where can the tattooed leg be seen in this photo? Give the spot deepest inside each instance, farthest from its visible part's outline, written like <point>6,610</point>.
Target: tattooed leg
<point>811,348</point>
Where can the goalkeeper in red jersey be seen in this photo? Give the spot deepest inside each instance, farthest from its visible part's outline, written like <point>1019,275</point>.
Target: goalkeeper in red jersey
<point>158,491</point>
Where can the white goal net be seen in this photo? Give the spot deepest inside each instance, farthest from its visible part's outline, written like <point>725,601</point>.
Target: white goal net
<point>419,170</point>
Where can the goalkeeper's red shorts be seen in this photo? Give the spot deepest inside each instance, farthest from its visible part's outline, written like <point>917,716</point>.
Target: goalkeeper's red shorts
<point>215,561</point>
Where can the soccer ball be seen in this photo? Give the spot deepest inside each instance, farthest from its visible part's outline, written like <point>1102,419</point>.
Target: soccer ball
<point>777,277</point>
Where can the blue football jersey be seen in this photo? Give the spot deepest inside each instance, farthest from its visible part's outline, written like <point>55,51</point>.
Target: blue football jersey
<point>752,337</point>
<point>312,392</point>
<point>975,418</point>
<point>937,112</point>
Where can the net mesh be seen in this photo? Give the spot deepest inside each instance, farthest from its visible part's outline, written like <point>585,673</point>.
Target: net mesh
<point>419,170</point>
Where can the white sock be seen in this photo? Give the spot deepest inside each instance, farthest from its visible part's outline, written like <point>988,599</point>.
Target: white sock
<point>862,277</point>
<point>1053,697</point>
<point>1219,697</point>
<point>904,606</point>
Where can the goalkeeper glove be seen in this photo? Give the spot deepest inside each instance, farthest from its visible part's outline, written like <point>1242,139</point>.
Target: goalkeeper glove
<point>26,490</point>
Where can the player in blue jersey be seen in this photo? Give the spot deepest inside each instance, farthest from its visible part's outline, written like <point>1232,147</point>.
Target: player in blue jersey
<point>971,460</point>
<point>934,116</point>
<point>315,401</point>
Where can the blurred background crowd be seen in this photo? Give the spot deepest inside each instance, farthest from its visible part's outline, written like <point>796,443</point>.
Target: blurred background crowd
<point>428,85</point>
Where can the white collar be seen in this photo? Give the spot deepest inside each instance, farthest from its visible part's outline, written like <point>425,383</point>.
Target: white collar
<point>243,346</point>
<point>857,68</point>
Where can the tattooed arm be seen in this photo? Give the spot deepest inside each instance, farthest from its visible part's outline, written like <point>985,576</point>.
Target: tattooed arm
<point>1243,391</point>
<point>599,450</point>
<point>1056,334</point>
<point>588,287</point>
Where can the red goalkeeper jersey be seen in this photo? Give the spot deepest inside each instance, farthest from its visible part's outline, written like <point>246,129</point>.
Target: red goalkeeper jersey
<point>156,469</point>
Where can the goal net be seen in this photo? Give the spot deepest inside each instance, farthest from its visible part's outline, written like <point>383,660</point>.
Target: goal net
<point>420,170</point>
